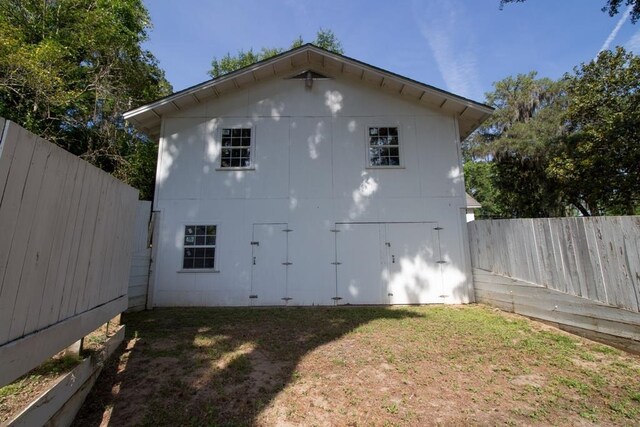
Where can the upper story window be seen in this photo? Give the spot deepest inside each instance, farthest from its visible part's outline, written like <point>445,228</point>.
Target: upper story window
<point>383,147</point>
<point>237,147</point>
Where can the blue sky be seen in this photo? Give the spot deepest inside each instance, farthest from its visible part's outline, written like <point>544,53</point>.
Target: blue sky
<point>462,46</point>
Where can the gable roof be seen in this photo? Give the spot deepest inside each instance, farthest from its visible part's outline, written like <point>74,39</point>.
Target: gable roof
<point>472,203</point>
<point>470,113</point>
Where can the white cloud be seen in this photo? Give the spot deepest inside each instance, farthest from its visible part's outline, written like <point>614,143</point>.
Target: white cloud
<point>633,44</point>
<point>440,24</point>
<point>614,32</point>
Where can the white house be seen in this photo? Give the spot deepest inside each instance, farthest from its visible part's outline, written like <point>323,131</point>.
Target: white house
<point>310,178</point>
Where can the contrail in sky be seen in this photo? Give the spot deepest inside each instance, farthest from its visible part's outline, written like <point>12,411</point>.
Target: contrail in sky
<point>614,33</point>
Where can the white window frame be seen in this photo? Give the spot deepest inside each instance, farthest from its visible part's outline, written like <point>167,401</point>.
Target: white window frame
<point>400,164</point>
<point>216,256</point>
<point>252,148</point>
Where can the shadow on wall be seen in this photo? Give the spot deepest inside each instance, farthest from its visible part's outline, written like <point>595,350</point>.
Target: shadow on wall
<point>213,366</point>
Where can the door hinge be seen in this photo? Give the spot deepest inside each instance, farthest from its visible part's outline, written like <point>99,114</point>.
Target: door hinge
<point>390,294</point>
<point>255,243</point>
<point>438,228</point>
<point>287,263</point>
<point>253,296</point>
<point>334,230</point>
<point>441,262</point>
<point>287,230</point>
<point>286,299</point>
<point>388,244</point>
<point>336,263</point>
<point>336,298</point>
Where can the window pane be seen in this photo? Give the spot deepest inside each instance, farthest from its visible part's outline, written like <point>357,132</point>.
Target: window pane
<point>246,132</point>
<point>199,252</point>
<point>188,253</point>
<point>189,230</point>
<point>187,263</point>
<point>394,161</point>
<point>211,230</point>
<point>384,161</point>
<point>246,142</point>
<point>236,132</point>
<point>382,132</point>
<point>393,131</point>
<point>246,163</point>
<point>200,240</point>
<point>208,263</point>
<point>226,132</point>
<point>373,131</point>
<point>394,151</point>
<point>200,230</point>
<point>209,252</point>
<point>235,142</point>
<point>226,141</point>
<point>392,140</point>
<point>189,240</point>
<point>235,163</point>
<point>198,263</point>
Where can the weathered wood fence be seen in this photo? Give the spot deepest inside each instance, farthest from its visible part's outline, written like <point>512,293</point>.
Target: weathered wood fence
<point>581,272</point>
<point>140,258</point>
<point>65,249</point>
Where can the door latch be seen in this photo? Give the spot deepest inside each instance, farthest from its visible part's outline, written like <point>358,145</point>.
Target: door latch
<point>254,260</point>
<point>393,259</point>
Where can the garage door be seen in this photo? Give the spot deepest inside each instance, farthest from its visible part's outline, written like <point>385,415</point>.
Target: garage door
<point>387,263</point>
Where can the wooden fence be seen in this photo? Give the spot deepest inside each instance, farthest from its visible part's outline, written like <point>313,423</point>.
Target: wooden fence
<point>65,249</point>
<point>140,258</point>
<point>580,272</point>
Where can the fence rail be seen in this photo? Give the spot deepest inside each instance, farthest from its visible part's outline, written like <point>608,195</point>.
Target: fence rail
<point>65,249</point>
<point>596,258</point>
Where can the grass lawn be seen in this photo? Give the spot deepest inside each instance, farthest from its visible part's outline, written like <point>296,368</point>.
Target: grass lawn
<point>359,366</point>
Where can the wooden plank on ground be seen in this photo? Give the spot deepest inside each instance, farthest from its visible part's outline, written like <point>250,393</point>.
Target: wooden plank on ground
<point>20,356</point>
<point>77,383</point>
<point>551,305</point>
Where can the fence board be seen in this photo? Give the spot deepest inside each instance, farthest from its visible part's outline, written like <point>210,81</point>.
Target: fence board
<point>141,258</point>
<point>595,258</point>
<point>65,249</point>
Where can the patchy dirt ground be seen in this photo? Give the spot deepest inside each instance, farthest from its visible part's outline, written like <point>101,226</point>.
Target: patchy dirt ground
<point>19,394</point>
<point>359,366</point>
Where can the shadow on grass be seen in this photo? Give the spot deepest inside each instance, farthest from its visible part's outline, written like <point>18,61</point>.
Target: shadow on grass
<point>208,366</point>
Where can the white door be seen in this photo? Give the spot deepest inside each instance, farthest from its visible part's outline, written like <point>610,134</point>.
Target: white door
<point>413,274</point>
<point>359,272</point>
<point>269,264</point>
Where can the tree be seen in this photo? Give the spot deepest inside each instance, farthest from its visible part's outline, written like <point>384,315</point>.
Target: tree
<point>611,6</point>
<point>69,68</point>
<point>325,39</point>
<point>515,141</point>
<point>600,159</point>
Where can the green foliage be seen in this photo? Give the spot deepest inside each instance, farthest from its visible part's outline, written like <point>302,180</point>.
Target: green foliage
<point>325,39</point>
<point>612,7</point>
<point>69,68</point>
<point>600,160</point>
<point>479,179</point>
<point>515,141</point>
<point>558,148</point>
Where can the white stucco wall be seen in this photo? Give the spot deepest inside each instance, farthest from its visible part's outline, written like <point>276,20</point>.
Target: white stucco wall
<point>311,174</point>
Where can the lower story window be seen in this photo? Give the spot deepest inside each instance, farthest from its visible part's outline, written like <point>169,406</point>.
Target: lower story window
<point>199,247</point>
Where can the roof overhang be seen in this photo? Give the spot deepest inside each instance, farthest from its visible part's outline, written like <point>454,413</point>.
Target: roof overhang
<point>470,114</point>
